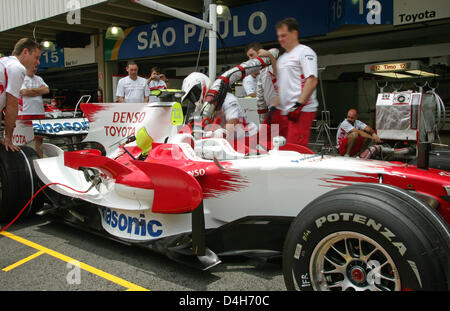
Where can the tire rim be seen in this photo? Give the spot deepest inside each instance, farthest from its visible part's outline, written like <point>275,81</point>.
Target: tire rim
<point>350,261</point>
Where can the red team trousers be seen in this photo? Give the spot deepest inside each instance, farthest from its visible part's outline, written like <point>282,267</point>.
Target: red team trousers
<point>295,132</point>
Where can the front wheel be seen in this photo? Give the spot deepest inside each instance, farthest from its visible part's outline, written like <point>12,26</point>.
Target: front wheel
<point>367,238</point>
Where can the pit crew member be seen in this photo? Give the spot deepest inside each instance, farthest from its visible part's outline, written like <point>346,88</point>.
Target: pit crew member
<point>250,82</point>
<point>266,87</point>
<point>297,75</point>
<point>133,89</point>
<point>353,136</point>
<point>26,54</point>
<point>234,120</point>
<point>233,123</point>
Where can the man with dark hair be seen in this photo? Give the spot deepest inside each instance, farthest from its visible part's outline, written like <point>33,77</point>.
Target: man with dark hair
<point>26,55</point>
<point>157,81</point>
<point>266,87</point>
<point>297,77</point>
<point>250,82</point>
<point>133,89</point>
<point>252,49</point>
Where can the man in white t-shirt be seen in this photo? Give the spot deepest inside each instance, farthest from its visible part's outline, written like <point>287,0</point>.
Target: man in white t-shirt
<point>26,54</point>
<point>31,104</point>
<point>354,136</point>
<point>133,89</point>
<point>157,82</point>
<point>297,78</point>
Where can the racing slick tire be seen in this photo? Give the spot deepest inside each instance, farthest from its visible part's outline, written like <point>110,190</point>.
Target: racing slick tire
<point>18,183</point>
<point>367,237</point>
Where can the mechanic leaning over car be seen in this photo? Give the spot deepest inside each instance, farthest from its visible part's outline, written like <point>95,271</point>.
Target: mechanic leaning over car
<point>297,80</point>
<point>250,82</point>
<point>266,89</point>
<point>31,104</point>
<point>133,89</point>
<point>353,136</point>
<point>26,54</point>
<point>233,124</point>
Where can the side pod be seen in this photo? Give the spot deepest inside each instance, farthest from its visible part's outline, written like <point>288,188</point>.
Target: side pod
<point>176,191</point>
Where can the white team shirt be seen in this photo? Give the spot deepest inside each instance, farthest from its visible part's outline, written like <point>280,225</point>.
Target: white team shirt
<point>232,110</point>
<point>345,127</point>
<point>12,74</point>
<point>249,84</point>
<point>267,87</point>
<point>156,85</point>
<point>32,105</point>
<point>293,68</point>
<point>133,91</point>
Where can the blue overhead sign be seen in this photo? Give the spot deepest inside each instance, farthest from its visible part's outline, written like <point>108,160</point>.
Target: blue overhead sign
<point>248,23</point>
<point>51,59</point>
<point>360,12</point>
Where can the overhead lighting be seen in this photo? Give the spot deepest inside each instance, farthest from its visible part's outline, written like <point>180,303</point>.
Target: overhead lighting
<point>223,11</point>
<point>114,32</point>
<point>393,75</point>
<point>48,45</point>
<point>422,73</point>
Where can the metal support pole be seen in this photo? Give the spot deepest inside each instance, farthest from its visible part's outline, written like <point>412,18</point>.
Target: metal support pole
<point>173,12</point>
<point>212,34</point>
<point>211,26</point>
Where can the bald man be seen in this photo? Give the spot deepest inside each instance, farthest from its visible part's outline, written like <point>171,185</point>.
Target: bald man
<point>354,136</point>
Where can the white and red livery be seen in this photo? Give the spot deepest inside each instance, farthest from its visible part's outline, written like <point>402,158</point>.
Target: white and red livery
<point>338,223</point>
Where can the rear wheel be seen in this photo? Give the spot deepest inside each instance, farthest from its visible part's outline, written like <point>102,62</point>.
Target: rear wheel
<point>17,183</point>
<point>367,237</point>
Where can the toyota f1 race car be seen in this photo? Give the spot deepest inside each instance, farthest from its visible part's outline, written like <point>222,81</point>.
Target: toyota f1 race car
<point>338,223</point>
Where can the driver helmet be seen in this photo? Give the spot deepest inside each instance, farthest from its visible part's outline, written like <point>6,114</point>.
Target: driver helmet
<point>195,87</point>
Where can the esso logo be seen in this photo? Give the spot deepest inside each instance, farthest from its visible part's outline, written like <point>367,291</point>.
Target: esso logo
<point>197,173</point>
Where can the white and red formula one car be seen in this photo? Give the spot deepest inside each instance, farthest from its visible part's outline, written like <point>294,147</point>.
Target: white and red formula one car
<point>338,223</point>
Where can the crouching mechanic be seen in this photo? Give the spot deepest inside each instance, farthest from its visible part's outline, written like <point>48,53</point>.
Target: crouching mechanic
<point>31,104</point>
<point>242,134</point>
<point>231,121</point>
<point>354,136</point>
<point>26,54</point>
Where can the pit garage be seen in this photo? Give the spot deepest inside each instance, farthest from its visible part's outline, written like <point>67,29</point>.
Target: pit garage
<point>345,37</point>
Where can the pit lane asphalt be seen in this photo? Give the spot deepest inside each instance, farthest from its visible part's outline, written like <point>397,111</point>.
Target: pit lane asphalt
<point>33,251</point>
